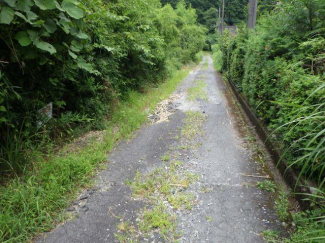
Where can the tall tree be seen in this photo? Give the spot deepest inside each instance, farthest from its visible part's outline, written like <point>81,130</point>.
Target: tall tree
<point>235,10</point>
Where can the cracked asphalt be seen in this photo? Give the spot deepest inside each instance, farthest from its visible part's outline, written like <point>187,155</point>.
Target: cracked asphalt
<point>230,207</point>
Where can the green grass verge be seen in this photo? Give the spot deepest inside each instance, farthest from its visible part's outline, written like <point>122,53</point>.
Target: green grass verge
<point>34,203</point>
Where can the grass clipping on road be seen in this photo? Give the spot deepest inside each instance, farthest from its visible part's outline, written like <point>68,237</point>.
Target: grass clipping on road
<point>165,189</point>
<point>34,203</point>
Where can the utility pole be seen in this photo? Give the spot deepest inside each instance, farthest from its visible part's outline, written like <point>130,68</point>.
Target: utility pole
<point>252,13</point>
<point>223,16</point>
<point>218,22</point>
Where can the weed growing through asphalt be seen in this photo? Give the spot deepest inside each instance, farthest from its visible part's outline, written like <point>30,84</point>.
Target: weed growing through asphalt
<point>158,218</point>
<point>198,91</point>
<point>181,201</point>
<point>206,190</point>
<point>167,184</point>
<point>165,158</point>
<point>183,147</point>
<point>282,205</point>
<point>258,153</point>
<point>266,185</point>
<point>165,188</point>
<point>193,125</point>
<point>208,218</point>
<point>126,231</point>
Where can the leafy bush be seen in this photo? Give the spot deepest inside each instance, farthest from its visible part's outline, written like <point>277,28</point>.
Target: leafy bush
<point>32,202</point>
<point>83,57</point>
<point>278,67</point>
<point>217,57</point>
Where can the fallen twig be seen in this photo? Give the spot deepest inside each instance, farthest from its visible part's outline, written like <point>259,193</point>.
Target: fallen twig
<point>256,176</point>
<point>110,211</point>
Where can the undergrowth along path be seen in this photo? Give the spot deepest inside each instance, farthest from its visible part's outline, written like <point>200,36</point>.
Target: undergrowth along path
<point>197,176</point>
<point>34,202</point>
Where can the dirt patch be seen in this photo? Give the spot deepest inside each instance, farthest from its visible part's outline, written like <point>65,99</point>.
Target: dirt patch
<point>164,109</point>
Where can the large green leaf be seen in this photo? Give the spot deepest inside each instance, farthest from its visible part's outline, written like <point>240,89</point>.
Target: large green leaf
<point>21,16</point>
<point>44,33</point>
<point>32,34</point>
<point>11,3</point>
<point>75,2</point>
<point>65,25</point>
<point>82,35</point>
<point>2,119</point>
<point>24,5</point>
<point>73,10</point>
<point>38,23</point>
<point>58,6</point>
<point>73,55</point>
<point>31,15</point>
<point>23,38</point>
<point>50,25</point>
<point>76,46</point>
<point>85,65</point>
<point>44,46</point>
<point>46,4</point>
<point>6,15</point>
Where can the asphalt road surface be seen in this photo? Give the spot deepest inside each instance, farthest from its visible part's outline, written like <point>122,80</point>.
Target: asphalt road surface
<point>230,208</point>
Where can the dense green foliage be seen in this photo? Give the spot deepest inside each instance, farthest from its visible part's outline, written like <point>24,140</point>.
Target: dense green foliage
<point>207,10</point>
<point>83,56</point>
<point>208,14</point>
<point>94,61</point>
<point>279,68</point>
<point>234,10</point>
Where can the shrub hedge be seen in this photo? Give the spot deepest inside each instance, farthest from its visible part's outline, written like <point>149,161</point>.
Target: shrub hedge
<point>279,68</point>
<point>82,56</point>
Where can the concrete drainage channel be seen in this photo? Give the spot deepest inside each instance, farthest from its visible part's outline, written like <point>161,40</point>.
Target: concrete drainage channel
<point>299,186</point>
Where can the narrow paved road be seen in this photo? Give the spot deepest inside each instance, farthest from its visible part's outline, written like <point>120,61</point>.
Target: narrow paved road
<point>227,206</point>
